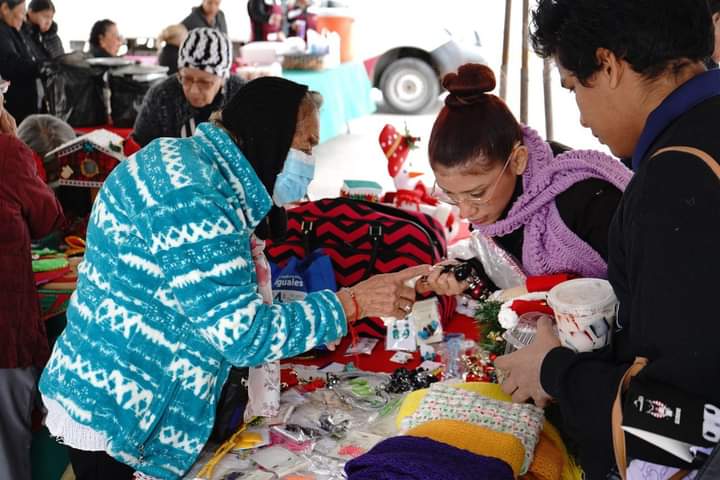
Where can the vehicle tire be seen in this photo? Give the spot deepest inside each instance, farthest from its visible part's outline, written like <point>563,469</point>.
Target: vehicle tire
<point>409,85</point>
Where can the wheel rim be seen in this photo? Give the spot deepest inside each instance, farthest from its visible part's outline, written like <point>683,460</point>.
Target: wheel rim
<point>409,87</point>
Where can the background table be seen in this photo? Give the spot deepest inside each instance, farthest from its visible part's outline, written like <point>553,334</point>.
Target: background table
<point>346,95</point>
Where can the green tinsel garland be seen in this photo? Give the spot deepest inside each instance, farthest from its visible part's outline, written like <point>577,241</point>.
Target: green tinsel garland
<point>486,317</point>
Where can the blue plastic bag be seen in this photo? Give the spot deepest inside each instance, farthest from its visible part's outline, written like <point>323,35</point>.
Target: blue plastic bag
<point>302,276</point>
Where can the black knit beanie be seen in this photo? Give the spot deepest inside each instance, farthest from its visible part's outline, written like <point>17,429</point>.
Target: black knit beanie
<point>262,116</point>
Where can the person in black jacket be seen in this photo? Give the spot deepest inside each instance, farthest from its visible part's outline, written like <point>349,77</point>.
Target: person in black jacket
<point>639,97</point>
<point>18,64</point>
<point>171,38</point>
<point>203,84</point>
<point>40,28</point>
<point>207,15</point>
<point>105,39</point>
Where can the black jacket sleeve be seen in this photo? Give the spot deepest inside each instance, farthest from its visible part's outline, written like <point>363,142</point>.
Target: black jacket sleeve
<point>149,123</point>
<point>16,65</point>
<point>669,235</point>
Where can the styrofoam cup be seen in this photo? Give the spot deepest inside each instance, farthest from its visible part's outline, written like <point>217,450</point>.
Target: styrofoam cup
<point>585,313</point>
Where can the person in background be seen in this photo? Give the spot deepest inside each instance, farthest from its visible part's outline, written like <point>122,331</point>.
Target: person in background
<point>105,39</point>
<point>266,17</point>
<point>207,15</point>
<point>549,208</point>
<point>42,31</point>
<point>44,133</point>
<point>300,20</point>
<point>175,106</point>
<point>28,210</point>
<point>18,63</point>
<point>714,59</point>
<point>642,99</point>
<point>161,317</point>
<point>171,38</point>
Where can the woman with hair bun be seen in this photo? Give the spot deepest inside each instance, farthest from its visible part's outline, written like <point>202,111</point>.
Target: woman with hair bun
<point>547,206</point>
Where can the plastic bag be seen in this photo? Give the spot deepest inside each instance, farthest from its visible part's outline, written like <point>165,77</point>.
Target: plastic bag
<point>74,91</point>
<point>126,98</point>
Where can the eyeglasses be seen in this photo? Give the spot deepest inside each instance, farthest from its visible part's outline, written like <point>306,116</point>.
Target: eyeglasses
<point>477,199</point>
<point>188,82</point>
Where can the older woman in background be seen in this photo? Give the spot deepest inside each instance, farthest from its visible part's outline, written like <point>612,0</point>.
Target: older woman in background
<point>105,39</point>
<point>175,106</point>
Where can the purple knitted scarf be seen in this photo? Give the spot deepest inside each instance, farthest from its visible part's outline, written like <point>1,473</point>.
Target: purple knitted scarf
<point>417,458</point>
<point>549,246</point>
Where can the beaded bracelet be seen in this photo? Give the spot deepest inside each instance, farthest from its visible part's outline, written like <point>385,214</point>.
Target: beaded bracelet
<point>356,306</point>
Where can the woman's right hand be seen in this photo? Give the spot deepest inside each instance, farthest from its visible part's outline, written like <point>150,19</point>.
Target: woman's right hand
<point>384,295</point>
<point>441,283</point>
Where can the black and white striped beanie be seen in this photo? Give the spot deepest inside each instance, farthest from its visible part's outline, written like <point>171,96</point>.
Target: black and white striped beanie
<point>206,49</point>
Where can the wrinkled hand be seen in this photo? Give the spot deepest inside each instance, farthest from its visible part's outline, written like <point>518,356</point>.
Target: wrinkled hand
<point>386,295</point>
<point>522,368</point>
<point>441,283</point>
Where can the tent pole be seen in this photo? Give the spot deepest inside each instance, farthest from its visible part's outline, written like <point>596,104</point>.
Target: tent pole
<point>524,73</point>
<point>505,51</point>
<point>547,89</point>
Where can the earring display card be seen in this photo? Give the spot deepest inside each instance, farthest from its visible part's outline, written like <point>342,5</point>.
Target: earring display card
<point>401,336</point>
<point>353,445</point>
<point>363,346</point>
<point>426,318</point>
<point>279,460</point>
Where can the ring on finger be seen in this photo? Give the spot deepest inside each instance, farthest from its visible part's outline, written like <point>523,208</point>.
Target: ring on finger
<point>406,308</point>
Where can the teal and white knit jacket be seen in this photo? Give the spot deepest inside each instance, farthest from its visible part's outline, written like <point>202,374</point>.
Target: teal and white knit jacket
<point>167,300</point>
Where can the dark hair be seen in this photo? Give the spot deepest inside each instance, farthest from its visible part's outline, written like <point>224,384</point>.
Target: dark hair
<point>714,6</point>
<point>473,123</point>
<point>651,35</point>
<point>12,3</point>
<point>41,5</point>
<point>99,28</point>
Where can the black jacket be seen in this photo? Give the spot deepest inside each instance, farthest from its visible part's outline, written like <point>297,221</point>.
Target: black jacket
<point>168,57</point>
<point>166,113</point>
<point>664,261</point>
<point>196,19</point>
<point>45,46</point>
<point>19,65</point>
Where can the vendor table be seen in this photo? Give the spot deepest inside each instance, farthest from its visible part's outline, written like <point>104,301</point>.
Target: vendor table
<point>346,93</point>
<point>379,360</point>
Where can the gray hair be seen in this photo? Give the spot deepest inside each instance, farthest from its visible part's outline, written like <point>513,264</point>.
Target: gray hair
<point>43,133</point>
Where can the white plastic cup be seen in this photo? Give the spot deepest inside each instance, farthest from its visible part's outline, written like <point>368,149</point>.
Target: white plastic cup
<point>585,313</point>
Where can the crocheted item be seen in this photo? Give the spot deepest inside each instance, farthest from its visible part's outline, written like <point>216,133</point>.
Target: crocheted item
<point>549,245</point>
<point>414,458</point>
<point>523,421</point>
<point>475,439</point>
<point>548,461</point>
<point>570,470</point>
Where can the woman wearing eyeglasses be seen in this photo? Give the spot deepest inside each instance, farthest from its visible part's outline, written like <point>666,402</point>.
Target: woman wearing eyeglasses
<point>203,84</point>
<point>545,205</point>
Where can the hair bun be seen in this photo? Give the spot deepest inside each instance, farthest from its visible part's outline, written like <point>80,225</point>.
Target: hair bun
<point>469,85</point>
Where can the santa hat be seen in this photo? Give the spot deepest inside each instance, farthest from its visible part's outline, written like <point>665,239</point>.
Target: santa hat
<point>396,147</point>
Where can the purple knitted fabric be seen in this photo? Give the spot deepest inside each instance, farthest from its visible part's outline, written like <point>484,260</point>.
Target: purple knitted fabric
<point>417,458</point>
<point>549,246</point>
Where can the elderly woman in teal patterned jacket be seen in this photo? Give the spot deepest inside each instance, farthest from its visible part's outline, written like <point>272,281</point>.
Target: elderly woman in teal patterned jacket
<point>168,295</point>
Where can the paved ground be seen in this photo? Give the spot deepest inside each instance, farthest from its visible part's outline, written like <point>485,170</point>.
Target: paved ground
<point>358,156</point>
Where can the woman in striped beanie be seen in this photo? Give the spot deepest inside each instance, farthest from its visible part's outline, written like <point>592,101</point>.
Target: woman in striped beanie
<point>203,84</point>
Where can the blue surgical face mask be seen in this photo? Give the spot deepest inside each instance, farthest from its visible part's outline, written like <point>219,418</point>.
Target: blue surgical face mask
<point>292,183</point>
